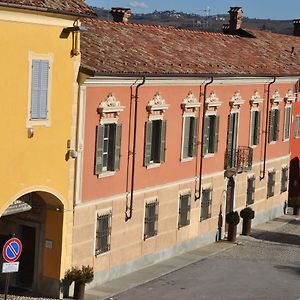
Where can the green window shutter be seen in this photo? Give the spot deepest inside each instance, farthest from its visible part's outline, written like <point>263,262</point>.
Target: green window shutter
<point>148,139</point>
<point>216,139</point>
<point>205,135</point>
<point>276,126</point>
<point>117,150</point>
<point>99,150</point>
<point>163,141</point>
<point>230,133</point>
<point>257,129</point>
<point>271,125</point>
<point>186,136</point>
<point>287,123</point>
<point>195,137</point>
<point>252,125</point>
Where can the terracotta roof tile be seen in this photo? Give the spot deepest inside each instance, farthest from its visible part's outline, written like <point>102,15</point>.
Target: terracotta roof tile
<point>60,6</point>
<point>128,48</point>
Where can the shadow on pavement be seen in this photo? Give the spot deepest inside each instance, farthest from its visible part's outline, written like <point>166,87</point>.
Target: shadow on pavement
<point>290,269</point>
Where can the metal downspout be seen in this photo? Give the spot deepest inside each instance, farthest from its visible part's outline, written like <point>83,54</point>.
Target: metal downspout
<point>266,129</point>
<point>202,137</point>
<point>129,216</point>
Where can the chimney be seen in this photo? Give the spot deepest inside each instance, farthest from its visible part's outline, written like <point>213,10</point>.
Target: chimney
<point>235,21</point>
<point>121,14</point>
<point>297,27</point>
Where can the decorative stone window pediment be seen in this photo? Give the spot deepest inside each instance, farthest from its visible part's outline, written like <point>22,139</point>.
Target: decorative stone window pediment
<point>276,98</point>
<point>236,101</point>
<point>110,106</point>
<point>256,99</point>
<point>190,103</point>
<point>290,97</point>
<point>212,101</point>
<point>157,104</point>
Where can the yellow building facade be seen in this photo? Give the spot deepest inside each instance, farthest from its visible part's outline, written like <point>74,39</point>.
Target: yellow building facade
<point>39,59</point>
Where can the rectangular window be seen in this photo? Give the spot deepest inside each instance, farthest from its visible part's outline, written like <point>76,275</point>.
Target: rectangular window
<point>206,204</point>
<point>211,134</point>
<point>184,210</point>
<point>155,142</point>
<point>254,128</point>
<point>271,184</point>
<point>297,127</point>
<point>250,190</point>
<point>274,125</point>
<point>151,217</point>
<point>103,232</point>
<point>284,179</point>
<point>39,89</point>
<point>287,122</point>
<point>189,147</point>
<point>108,144</point>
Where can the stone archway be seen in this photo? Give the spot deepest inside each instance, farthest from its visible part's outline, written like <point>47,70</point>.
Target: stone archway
<point>36,218</point>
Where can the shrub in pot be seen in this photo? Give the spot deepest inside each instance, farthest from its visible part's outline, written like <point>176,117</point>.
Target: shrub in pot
<point>295,203</point>
<point>247,214</point>
<point>232,219</point>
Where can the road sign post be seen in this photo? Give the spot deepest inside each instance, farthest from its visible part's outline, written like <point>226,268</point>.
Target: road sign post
<point>11,253</point>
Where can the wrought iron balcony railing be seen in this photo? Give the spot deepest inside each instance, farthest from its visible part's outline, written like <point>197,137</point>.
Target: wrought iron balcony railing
<point>239,159</point>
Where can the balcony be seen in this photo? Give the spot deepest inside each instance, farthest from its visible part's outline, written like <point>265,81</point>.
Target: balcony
<point>240,159</point>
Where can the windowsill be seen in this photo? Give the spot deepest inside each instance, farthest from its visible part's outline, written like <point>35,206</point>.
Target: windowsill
<point>106,174</point>
<point>40,122</point>
<point>102,254</point>
<point>149,237</point>
<point>153,166</point>
<point>187,159</point>
<point>208,155</point>
<point>272,142</point>
<point>253,146</point>
<point>286,140</point>
<point>183,226</point>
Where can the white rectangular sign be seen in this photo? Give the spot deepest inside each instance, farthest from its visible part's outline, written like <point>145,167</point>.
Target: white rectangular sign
<point>10,267</point>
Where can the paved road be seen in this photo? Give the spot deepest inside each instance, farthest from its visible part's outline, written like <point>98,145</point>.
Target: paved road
<point>265,266</point>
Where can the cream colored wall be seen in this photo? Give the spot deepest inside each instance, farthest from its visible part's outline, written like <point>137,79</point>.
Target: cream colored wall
<point>38,163</point>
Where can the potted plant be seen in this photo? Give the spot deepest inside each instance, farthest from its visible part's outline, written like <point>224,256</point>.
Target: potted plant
<point>81,277</point>
<point>232,219</point>
<point>247,214</point>
<point>70,276</point>
<point>295,203</point>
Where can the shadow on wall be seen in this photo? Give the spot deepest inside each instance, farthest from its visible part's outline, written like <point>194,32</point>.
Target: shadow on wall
<point>294,182</point>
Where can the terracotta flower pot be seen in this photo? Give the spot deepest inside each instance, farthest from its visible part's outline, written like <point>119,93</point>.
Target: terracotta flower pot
<point>232,232</point>
<point>246,227</point>
<point>79,290</point>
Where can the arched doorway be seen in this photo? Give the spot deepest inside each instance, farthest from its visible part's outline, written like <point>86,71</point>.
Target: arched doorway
<point>36,219</point>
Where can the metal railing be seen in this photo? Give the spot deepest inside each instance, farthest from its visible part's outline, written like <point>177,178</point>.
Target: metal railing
<point>239,159</point>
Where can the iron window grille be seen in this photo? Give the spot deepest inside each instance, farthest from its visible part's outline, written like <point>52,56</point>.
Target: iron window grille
<point>103,233</point>
<point>271,184</point>
<point>184,210</point>
<point>250,190</point>
<point>284,179</point>
<point>151,217</point>
<point>206,204</point>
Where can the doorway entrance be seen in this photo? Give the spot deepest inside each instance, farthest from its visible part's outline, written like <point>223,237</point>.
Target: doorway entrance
<point>229,205</point>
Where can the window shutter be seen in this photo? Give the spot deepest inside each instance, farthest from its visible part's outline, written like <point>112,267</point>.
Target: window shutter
<point>257,129</point>
<point>276,126</point>
<point>163,141</point>
<point>99,149</point>
<point>271,125</point>
<point>186,136</point>
<point>287,123</point>
<point>205,135</point>
<point>252,125</point>
<point>117,149</point>
<point>44,65</point>
<point>195,137</point>
<point>216,139</point>
<point>34,113</point>
<point>230,133</point>
<point>148,138</point>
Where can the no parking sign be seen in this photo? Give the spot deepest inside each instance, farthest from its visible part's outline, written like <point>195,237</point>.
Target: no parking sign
<point>12,250</point>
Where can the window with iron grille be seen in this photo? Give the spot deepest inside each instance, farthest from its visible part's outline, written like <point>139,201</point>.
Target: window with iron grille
<point>211,134</point>
<point>155,142</point>
<point>271,184</point>
<point>151,217</point>
<point>274,125</point>
<point>297,127</point>
<point>103,232</point>
<point>255,127</point>
<point>189,145</point>
<point>250,190</point>
<point>284,179</point>
<point>206,204</point>
<point>184,210</point>
<point>108,146</point>
<point>287,122</point>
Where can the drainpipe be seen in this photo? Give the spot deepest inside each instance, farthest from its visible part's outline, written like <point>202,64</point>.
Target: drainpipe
<point>266,129</point>
<point>129,216</point>
<point>202,137</point>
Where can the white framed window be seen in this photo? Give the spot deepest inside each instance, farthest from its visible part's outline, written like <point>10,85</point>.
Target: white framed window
<point>190,138</point>
<point>274,119</point>
<point>254,127</point>
<point>287,122</point>
<point>211,134</point>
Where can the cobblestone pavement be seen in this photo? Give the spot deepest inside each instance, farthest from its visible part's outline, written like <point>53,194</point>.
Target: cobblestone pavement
<point>264,266</point>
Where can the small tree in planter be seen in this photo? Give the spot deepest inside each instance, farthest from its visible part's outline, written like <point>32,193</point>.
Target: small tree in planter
<point>232,219</point>
<point>81,277</point>
<point>247,214</point>
<point>295,203</point>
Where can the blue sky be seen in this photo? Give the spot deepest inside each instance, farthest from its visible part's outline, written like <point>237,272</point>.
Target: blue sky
<point>268,9</point>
